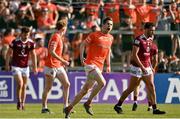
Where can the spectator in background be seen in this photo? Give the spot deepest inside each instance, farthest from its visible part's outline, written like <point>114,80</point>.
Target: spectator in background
<point>20,48</point>
<point>65,9</point>
<point>129,9</point>
<point>142,12</point>
<point>44,22</point>
<point>52,11</point>
<point>41,51</point>
<point>111,8</point>
<point>127,41</point>
<point>78,9</point>
<point>162,66</point>
<point>175,26</point>
<point>25,16</point>
<point>6,41</point>
<point>7,19</point>
<point>78,37</point>
<point>93,8</point>
<point>164,41</point>
<point>91,21</point>
<point>67,54</point>
<point>36,7</point>
<point>155,11</point>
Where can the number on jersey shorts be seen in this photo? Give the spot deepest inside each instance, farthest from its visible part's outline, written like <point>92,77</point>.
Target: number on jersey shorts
<point>137,72</point>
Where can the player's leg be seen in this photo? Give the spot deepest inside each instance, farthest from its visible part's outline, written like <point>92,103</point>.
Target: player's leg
<point>132,85</point>
<point>49,78</point>
<point>101,82</point>
<point>25,76</point>
<point>19,84</point>
<point>87,86</point>
<point>136,73</point>
<point>149,100</point>
<point>136,93</point>
<point>23,93</point>
<point>63,78</point>
<point>149,81</point>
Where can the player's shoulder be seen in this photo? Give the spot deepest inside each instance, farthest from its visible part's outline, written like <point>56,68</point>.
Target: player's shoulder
<point>16,40</point>
<point>55,36</point>
<point>30,40</point>
<point>141,37</point>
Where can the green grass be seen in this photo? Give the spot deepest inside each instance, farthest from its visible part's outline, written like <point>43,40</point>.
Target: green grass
<point>100,110</point>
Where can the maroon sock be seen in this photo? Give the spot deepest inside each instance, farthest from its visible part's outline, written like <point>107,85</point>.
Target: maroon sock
<point>88,102</point>
<point>149,104</point>
<point>135,98</point>
<point>69,108</point>
<point>119,103</point>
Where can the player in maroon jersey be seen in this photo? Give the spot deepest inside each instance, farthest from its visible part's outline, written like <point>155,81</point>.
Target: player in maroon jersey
<point>20,48</point>
<point>141,68</point>
<point>154,62</point>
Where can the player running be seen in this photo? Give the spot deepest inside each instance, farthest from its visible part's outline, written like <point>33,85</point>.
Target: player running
<point>99,49</point>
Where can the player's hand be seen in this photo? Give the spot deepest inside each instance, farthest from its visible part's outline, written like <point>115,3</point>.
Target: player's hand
<point>154,71</point>
<point>83,61</point>
<point>108,69</point>
<point>144,70</point>
<point>35,71</point>
<point>66,63</point>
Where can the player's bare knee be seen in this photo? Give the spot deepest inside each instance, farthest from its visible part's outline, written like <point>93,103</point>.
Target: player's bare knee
<point>66,85</point>
<point>102,83</point>
<point>20,84</point>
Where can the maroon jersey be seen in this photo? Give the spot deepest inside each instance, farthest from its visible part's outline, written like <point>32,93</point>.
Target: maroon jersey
<point>154,49</point>
<point>144,45</point>
<point>21,52</point>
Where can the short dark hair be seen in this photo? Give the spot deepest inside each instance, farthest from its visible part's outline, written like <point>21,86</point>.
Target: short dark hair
<point>61,23</point>
<point>148,25</point>
<point>107,19</point>
<point>25,30</point>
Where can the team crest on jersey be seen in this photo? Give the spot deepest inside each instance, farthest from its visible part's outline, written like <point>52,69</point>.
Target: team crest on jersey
<point>23,45</point>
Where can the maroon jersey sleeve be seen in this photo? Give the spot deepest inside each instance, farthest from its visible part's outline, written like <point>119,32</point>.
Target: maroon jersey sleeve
<point>11,45</point>
<point>136,42</point>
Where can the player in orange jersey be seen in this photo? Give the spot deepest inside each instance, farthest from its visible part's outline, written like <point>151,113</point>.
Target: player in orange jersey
<point>99,49</point>
<point>54,65</point>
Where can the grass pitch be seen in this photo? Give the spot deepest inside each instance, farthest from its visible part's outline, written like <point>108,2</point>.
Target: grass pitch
<point>100,110</point>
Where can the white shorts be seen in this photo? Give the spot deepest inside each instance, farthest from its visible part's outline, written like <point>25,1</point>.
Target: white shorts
<point>20,71</point>
<point>89,68</point>
<point>54,71</point>
<point>137,72</point>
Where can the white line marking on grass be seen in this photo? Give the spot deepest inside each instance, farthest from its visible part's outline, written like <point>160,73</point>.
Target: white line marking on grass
<point>90,118</point>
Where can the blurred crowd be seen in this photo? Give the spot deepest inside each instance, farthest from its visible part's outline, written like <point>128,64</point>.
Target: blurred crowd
<point>85,16</point>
